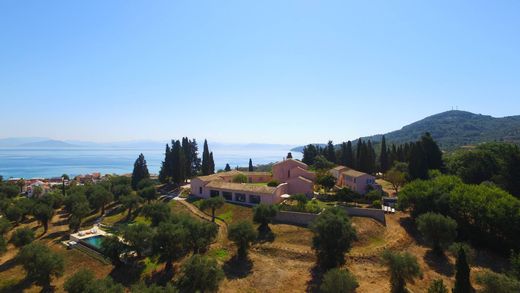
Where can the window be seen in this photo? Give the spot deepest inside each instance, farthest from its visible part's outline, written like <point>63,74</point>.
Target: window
<point>288,173</point>
<point>240,197</point>
<point>254,198</point>
<point>227,195</point>
<point>200,190</point>
<point>354,180</point>
<point>214,193</point>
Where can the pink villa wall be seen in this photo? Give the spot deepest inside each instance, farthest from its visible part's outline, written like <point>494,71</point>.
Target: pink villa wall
<point>361,183</point>
<point>281,169</point>
<point>298,171</point>
<point>299,185</point>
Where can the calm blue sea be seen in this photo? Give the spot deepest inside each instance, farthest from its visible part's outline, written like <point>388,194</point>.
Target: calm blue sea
<point>35,162</point>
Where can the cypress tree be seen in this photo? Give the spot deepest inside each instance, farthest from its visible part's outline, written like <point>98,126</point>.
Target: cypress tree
<point>432,152</point>
<point>418,166</point>
<point>250,169</point>
<point>211,164</point>
<point>178,162</point>
<point>462,276</point>
<point>343,154</point>
<point>163,173</point>
<point>371,158</point>
<point>309,153</point>
<point>205,159</point>
<point>228,168</point>
<point>330,152</point>
<point>359,149</point>
<point>383,157</point>
<point>350,156</point>
<point>140,171</point>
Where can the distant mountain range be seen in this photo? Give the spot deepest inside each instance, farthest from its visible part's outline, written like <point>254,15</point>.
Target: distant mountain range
<point>453,129</point>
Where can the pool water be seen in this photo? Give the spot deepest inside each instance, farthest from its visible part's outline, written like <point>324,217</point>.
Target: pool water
<point>94,241</point>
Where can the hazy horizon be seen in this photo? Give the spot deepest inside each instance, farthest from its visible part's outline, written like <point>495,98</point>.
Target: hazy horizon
<point>289,72</point>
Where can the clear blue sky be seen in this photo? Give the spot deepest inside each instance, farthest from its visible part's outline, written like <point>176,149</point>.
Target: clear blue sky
<point>251,71</point>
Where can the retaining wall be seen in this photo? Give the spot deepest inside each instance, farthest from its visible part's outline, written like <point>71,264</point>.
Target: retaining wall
<point>304,219</point>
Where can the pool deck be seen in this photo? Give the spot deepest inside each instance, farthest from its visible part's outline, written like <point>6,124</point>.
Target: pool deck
<point>95,231</point>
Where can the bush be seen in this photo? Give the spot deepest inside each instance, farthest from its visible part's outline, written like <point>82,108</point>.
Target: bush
<point>273,183</point>
<point>313,207</point>
<point>345,194</point>
<point>22,237</point>
<point>264,214</point>
<point>437,286</point>
<point>468,250</point>
<point>338,281</point>
<point>497,283</point>
<point>376,204</point>
<point>240,178</point>
<point>374,194</point>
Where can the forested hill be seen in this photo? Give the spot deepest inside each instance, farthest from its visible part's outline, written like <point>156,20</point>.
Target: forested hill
<point>453,129</point>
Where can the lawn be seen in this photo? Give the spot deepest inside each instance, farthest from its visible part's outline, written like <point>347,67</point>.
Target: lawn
<point>231,213</point>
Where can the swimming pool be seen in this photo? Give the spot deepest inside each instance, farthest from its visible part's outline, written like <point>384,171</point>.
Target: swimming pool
<point>94,242</point>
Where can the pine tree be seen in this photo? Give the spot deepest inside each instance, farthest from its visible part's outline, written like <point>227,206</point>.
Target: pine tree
<point>383,157</point>
<point>251,168</point>
<point>228,168</point>
<point>205,159</point>
<point>462,276</point>
<point>140,171</point>
<point>211,164</point>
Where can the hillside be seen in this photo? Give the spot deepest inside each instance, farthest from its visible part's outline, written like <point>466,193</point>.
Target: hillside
<point>47,144</point>
<point>454,129</point>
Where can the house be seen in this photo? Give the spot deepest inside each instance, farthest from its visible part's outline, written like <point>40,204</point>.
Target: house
<point>296,174</point>
<point>357,181</point>
<point>44,186</point>
<point>292,176</point>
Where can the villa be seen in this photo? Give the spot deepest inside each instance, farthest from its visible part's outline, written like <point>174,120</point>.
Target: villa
<point>357,181</point>
<point>292,176</point>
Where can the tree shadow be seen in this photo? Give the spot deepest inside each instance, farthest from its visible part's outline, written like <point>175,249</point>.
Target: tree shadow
<point>8,264</point>
<point>409,226</point>
<point>439,263</point>
<point>238,268</point>
<point>161,277</point>
<point>56,236</point>
<point>19,287</point>
<point>313,285</point>
<point>128,274</point>
<point>265,235</point>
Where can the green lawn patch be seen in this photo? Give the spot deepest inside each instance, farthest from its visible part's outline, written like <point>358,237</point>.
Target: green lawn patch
<point>221,254</point>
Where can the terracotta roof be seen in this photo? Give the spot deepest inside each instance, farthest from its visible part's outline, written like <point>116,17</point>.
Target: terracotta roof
<point>245,187</point>
<point>353,173</point>
<point>299,162</point>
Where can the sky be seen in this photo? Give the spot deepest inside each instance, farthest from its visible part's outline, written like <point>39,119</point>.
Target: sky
<point>290,72</point>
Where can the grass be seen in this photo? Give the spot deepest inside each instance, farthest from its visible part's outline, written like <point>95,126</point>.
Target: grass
<point>231,213</point>
<point>221,254</point>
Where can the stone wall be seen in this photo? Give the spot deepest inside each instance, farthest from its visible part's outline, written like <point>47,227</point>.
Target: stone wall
<point>294,218</point>
<point>304,219</point>
<point>376,214</point>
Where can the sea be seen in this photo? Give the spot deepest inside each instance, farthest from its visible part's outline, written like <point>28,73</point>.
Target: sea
<point>53,162</point>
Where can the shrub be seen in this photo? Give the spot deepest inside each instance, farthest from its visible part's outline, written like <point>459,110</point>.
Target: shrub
<point>497,283</point>
<point>264,214</point>
<point>437,286</point>
<point>240,178</point>
<point>313,207</point>
<point>376,204</point>
<point>338,281</point>
<point>273,183</point>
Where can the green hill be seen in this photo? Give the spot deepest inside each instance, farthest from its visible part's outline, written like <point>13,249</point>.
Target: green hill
<point>454,129</point>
